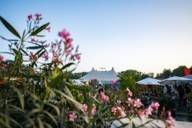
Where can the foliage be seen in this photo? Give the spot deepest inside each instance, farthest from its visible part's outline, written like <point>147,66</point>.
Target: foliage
<point>129,78</point>
<point>178,71</point>
<point>165,74</point>
<point>36,90</point>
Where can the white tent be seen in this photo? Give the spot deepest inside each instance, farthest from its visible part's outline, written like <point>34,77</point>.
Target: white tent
<point>149,81</point>
<point>105,77</point>
<point>176,78</point>
<point>188,76</point>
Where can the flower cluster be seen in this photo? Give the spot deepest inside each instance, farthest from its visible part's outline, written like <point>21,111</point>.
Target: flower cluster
<point>151,108</point>
<point>94,110</point>
<point>56,51</point>
<point>118,111</point>
<point>84,107</point>
<point>170,122</point>
<point>135,102</point>
<point>32,57</point>
<point>36,17</point>
<point>103,97</point>
<point>72,116</point>
<point>68,46</point>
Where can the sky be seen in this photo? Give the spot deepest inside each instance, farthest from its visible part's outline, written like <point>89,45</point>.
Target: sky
<point>146,35</point>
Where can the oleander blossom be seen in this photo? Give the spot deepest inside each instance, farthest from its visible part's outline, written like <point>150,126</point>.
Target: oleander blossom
<point>137,103</point>
<point>64,34</point>
<point>94,110</point>
<point>38,16</point>
<point>170,121</point>
<point>84,107</point>
<point>56,52</point>
<point>68,46</point>
<point>30,17</point>
<point>148,111</point>
<point>45,56</point>
<point>154,106</point>
<point>72,116</point>
<point>32,57</point>
<point>118,112</point>
<point>104,98</point>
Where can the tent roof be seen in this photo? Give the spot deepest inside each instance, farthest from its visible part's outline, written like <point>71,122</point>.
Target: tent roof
<point>100,75</point>
<point>149,81</point>
<point>176,78</point>
<point>188,76</point>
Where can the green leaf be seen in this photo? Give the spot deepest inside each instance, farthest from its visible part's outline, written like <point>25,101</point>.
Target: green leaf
<point>38,30</point>
<point>20,97</point>
<point>9,27</point>
<point>40,122</point>
<point>67,65</point>
<point>40,54</point>
<point>6,53</point>
<point>51,117</point>
<point>56,109</point>
<point>35,47</point>
<point>24,52</point>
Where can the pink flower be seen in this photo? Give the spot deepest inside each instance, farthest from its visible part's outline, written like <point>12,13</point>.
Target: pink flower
<point>38,16</point>
<point>1,59</point>
<point>129,93</point>
<point>170,122</point>
<point>45,56</point>
<point>137,103</point>
<point>148,111</point>
<point>104,98</point>
<point>64,34</point>
<point>72,116</point>
<point>93,111</point>
<point>141,113</point>
<point>118,111</point>
<point>84,107</point>
<point>32,57</point>
<point>30,17</point>
<point>155,105</point>
<point>56,52</point>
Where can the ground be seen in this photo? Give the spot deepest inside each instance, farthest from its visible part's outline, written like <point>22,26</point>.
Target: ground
<point>152,124</point>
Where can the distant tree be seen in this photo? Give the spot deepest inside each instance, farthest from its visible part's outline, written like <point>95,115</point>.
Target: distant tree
<point>179,71</point>
<point>145,75</point>
<point>165,74</point>
<point>129,78</point>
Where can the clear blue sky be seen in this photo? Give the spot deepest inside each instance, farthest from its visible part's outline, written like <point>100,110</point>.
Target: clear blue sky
<point>147,35</point>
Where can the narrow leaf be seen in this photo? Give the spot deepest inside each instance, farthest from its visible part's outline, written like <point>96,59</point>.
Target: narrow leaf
<point>67,65</point>
<point>20,97</point>
<point>9,27</point>
<point>38,30</point>
<point>35,47</point>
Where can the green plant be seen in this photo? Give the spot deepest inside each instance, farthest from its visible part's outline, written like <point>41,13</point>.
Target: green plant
<point>36,91</point>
